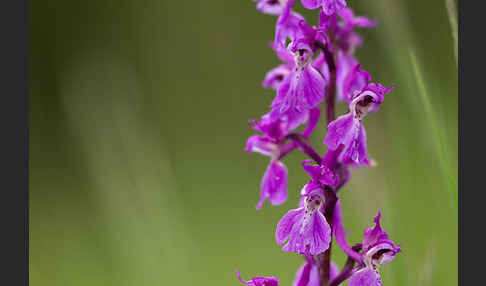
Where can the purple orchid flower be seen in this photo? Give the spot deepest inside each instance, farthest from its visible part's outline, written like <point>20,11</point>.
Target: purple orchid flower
<point>305,228</point>
<point>271,7</point>
<point>329,7</point>
<point>377,249</point>
<point>308,273</point>
<point>274,182</point>
<point>259,281</point>
<point>345,37</point>
<point>301,90</point>
<point>277,75</point>
<point>287,25</point>
<point>348,129</point>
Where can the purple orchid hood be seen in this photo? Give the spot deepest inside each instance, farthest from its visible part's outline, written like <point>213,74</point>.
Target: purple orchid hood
<point>271,7</point>
<point>259,281</point>
<point>308,274</point>
<point>321,174</point>
<point>287,26</point>
<point>305,228</point>
<point>355,80</point>
<point>329,7</point>
<point>348,129</point>
<point>377,247</point>
<point>302,90</point>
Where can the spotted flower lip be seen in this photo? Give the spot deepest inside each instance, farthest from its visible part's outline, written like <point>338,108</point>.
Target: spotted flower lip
<point>259,281</point>
<point>305,228</point>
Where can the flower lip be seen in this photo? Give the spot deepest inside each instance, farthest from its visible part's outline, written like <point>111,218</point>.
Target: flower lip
<point>383,253</point>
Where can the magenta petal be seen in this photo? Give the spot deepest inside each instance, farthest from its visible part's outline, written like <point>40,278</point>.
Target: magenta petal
<point>338,130</point>
<point>365,277</point>
<point>320,173</point>
<point>286,224</point>
<point>331,7</point>
<point>308,274</point>
<point>302,90</point>
<point>355,80</point>
<point>259,281</point>
<point>302,276</point>
<point>334,271</point>
<point>354,152</point>
<point>375,240</point>
<point>345,63</point>
<point>314,115</point>
<point>269,7</point>
<point>309,233</point>
<point>287,25</point>
<point>311,4</point>
<point>340,233</point>
<point>363,22</point>
<point>276,76</point>
<point>348,131</point>
<point>274,184</point>
<point>274,130</point>
<point>260,144</point>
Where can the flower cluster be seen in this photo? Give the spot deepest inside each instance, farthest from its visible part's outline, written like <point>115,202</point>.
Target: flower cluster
<point>318,65</point>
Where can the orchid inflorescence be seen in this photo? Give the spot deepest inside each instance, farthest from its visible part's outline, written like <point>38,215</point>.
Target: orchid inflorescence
<point>318,64</point>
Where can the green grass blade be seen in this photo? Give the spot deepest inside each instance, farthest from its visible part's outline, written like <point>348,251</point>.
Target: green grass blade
<point>452,13</point>
<point>439,142</point>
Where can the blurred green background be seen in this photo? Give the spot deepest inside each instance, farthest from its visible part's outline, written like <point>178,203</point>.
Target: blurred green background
<point>138,121</point>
